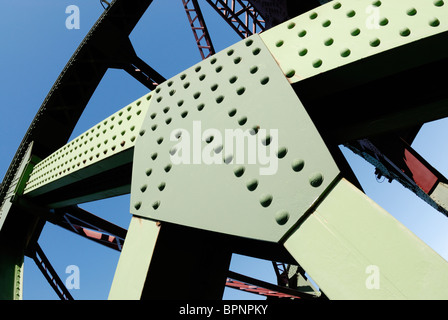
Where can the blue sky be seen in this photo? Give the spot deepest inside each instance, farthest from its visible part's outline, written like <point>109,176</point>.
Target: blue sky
<point>36,45</point>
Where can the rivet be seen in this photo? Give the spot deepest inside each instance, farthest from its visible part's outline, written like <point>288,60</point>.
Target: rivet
<point>266,200</point>
<point>156,204</point>
<point>252,184</point>
<point>282,217</point>
<point>297,165</point>
<point>239,171</point>
<point>316,179</point>
<point>281,153</point>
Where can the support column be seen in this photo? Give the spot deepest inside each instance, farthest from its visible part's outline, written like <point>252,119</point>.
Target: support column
<point>11,273</point>
<point>170,262</point>
<point>354,249</point>
<point>134,260</point>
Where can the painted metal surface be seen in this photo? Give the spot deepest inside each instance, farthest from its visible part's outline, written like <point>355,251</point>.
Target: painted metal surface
<point>354,249</point>
<point>107,145</point>
<point>200,183</point>
<point>342,32</point>
<point>265,166</point>
<point>134,260</point>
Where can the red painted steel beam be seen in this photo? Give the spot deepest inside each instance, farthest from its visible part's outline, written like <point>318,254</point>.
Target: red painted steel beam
<point>199,28</point>
<point>240,15</point>
<point>248,284</point>
<point>395,159</point>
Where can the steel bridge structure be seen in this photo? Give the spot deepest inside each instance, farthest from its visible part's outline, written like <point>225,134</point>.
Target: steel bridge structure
<point>286,92</point>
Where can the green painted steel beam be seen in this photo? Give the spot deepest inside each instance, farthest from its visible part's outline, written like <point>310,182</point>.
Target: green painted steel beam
<point>102,150</point>
<point>342,32</point>
<point>170,262</point>
<point>18,183</point>
<point>135,259</point>
<point>354,249</point>
<point>11,274</point>
<point>229,140</point>
<point>384,57</point>
<point>186,175</point>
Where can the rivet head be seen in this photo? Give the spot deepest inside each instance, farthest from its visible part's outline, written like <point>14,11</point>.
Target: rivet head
<point>316,179</point>
<point>282,217</point>
<point>297,165</point>
<point>265,200</point>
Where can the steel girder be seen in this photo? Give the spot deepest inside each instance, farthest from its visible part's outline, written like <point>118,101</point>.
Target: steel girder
<point>402,31</point>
